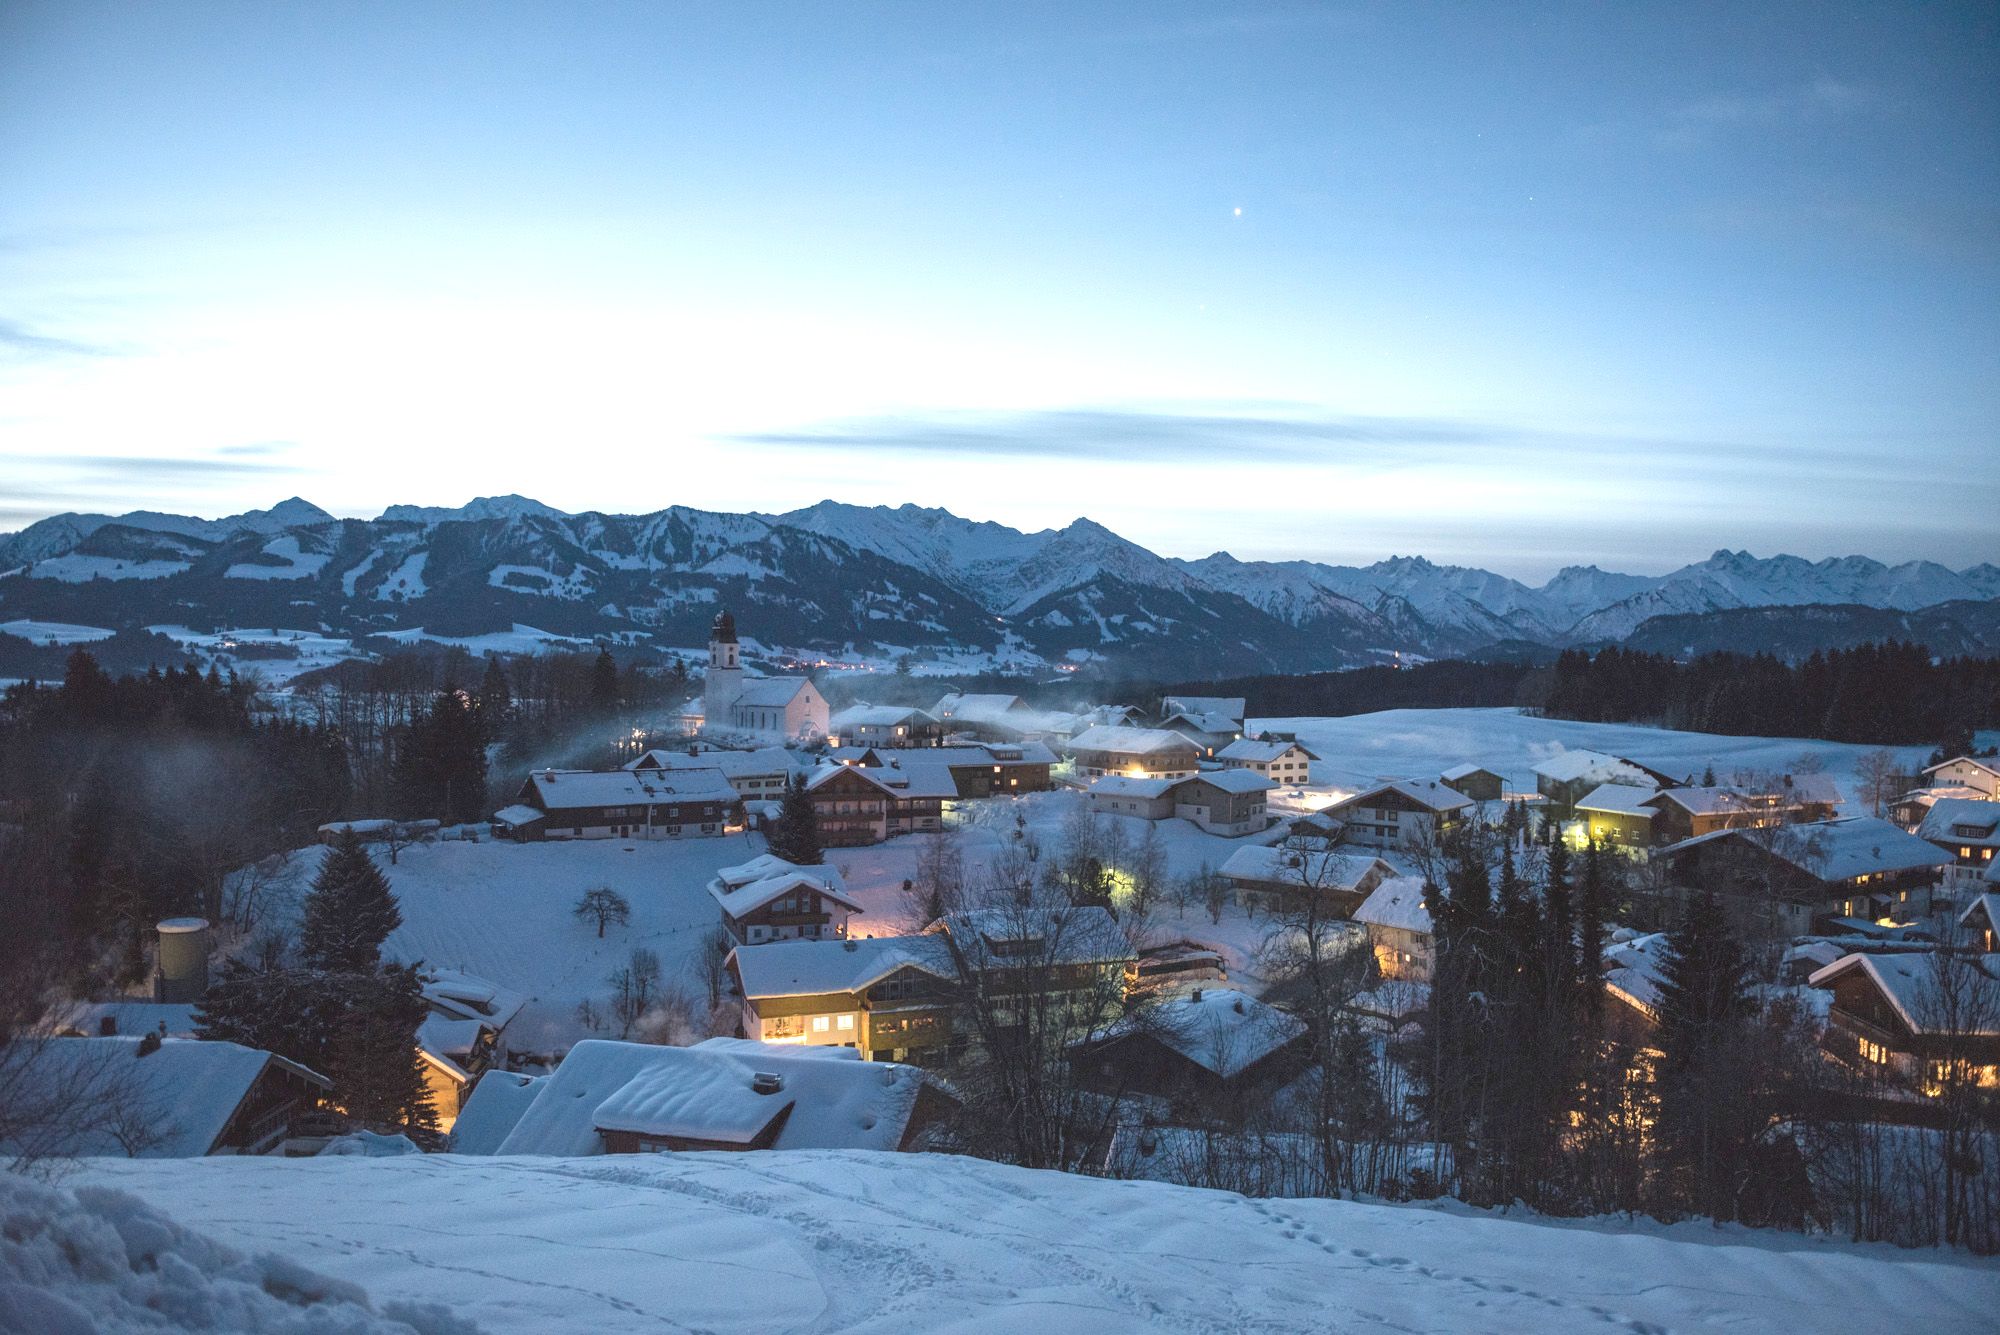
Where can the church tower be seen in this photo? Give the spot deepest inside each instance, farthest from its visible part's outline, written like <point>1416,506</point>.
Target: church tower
<point>724,682</point>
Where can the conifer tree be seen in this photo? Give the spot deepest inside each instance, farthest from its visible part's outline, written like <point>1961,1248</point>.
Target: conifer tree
<point>604,684</point>
<point>1591,897</point>
<point>1706,1127</point>
<point>349,912</point>
<point>377,1073</point>
<point>794,836</point>
<point>496,700</point>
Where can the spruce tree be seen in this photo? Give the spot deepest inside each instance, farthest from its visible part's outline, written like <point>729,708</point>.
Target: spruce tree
<point>604,684</point>
<point>1591,897</point>
<point>496,700</point>
<point>794,836</point>
<point>349,912</point>
<point>377,1073</point>
<point>1706,1108</point>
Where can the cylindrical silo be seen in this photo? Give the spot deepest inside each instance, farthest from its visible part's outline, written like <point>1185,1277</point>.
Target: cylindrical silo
<point>183,975</point>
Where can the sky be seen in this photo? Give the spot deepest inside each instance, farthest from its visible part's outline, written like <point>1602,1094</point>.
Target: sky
<point>1508,285</point>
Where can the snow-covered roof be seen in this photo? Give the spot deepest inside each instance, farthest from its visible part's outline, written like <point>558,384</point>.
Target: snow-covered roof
<point>496,1105</point>
<point>1466,771</point>
<point>765,760</point>
<point>879,716</point>
<point>751,885</point>
<point>1257,751</point>
<point>1000,938</point>
<point>1704,801</point>
<point>560,790</point>
<point>1989,904</point>
<point>1573,766</point>
<point>895,780</point>
<point>470,997</point>
<point>1910,982</point>
<point>1619,799</point>
<point>1397,902</point>
<point>518,815</point>
<point>960,708</point>
<point>1959,820</point>
<point>1218,1029</point>
<point>770,692</point>
<point>1424,792</point>
<point>1205,723</point>
<point>132,1019</point>
<point>1815,952</point>
<point>1833,850</point>
<point>1228,706</point>
<point>1987,763</point>
<point>1127,741</point>
<point>1238,781</point>
<point>187,1089</point>
<point>816,968</point>
<point>1632,970</point>
<point>827,1098</point>
<point>449,1043</point>
<point>984,753</point>
<point>1129,785</point>
<point>1320,868</point>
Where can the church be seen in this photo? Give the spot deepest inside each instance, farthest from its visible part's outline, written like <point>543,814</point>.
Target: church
<point>790,709</point>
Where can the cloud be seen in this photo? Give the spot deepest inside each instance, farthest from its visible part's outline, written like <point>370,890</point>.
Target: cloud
<point>17,337</point>
<point>1824,99</point>
<point>1129,435</point>
<point>155,468</point>
<point>258,447</point>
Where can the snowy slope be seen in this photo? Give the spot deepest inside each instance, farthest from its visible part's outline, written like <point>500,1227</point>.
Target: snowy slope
<point>831,1242</point>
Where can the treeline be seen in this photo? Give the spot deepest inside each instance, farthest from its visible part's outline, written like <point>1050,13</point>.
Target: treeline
<point>1879,694</point>
<point>1439,685</point>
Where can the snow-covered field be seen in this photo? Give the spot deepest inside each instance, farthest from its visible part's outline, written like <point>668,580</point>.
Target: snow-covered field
<point>1419,743</point>
<point>828,1242</point>
<point>315,650</point>
<point>55,632</point>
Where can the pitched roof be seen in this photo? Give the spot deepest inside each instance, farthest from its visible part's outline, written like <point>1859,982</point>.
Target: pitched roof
<point>1572,766</point>
<point>733,764</point>
<point>1397,902</point>
<point>1229,706</point>
<point>1909,979</point>
<point>1258,751</point>
<point>896,781</point>
<point>1320,868</point>
<point>1084,934</point>
<point>1619,799</point>
<point>493,1110</point>
<point>1218,1029</point>
<point>961,708</point>
<point>817,968</point>
<point>828,1097</point>
<point>470,997</point>
<point>1466,771</point>
<point>753,884</point>
<point>1987,763</point>
<point>1129,785</point>
<point>1832,850</point>
<point>1238,781</point>
<point>562,790</point>
<point>770,692</point>
<point>878,716</point>
<point>1960,820</point>
<point>1424,792</point>
<point>1204,723</point>
<point>1127,741</point>
<point>132,1018</point>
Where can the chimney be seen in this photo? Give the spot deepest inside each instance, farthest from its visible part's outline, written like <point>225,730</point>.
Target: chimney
<point>767,1082</point>
<point>107,1026</point>
<point>149,1044</point>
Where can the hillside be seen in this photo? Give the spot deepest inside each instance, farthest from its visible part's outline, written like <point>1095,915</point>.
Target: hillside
<point>829,1242</point>
<point>874,584</point>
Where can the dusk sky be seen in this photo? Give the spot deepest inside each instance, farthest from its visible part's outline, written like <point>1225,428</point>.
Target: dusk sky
<point>1505,285</point>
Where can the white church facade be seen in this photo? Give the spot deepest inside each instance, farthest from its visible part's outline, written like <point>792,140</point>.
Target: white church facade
<point>788,708</point>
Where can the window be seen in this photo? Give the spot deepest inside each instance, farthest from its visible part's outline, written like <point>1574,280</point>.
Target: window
<point>843,1022</point>
<point>1874,1053</point>
<point>821,1023</point>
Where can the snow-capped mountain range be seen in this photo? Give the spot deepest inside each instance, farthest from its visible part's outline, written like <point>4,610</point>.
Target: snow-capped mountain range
<point>836,577</point>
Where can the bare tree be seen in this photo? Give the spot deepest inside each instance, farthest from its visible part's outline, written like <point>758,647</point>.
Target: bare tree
<point>634,988</point>
<point>603,906</point>
<point>1879,776</point>
<point>939,885</point>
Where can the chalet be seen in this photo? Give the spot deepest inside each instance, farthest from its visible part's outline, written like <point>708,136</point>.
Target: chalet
<point>1208,732</point>
<point>131,1018</point>
<point>1172,964</point>
<point>1228,707</point>
<point>1074,954</point>
<point>1567,775</point>
<point>1285,763</point>
<point>1481,785</point>
<point>1981,919</point>
<point>462,1037</point>
<point>1618,815</point>
<point>1790,878</point>
<point>790,708</point>
<point>770,899</point>
<point>1399,928</point>
<point>888,997</point>
<point>1282,877</point>
<point>1316,827</point>
<point>759,775</point>
<point>492,1110</point>
<point>1407,813</point>
<point>1229,802</point>
<point>890,726</point>
<point>1206,1050</point>
<point>855,805</point>
<point>1889,1015</point>
<point>1687,811</point>
<point>993,718</point>
<point>1979,773</point>
<point>189,1098</point>
<point>618,804</point>
<point>723,1094</point>
<point>1967,830</point>
<point>1127,795</point>
<point>1150,752</point>
<point>983,769</point>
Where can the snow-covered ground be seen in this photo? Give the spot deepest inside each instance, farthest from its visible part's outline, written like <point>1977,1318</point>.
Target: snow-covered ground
<point>1419,743</point>
<point>829,1242</point>
<point>314,649</point>
<point>55,632</point>
<point>522,639</point>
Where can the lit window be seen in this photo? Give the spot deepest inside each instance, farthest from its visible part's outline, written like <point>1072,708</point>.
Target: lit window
<point>843,1022</point>
<point>820,1024</point>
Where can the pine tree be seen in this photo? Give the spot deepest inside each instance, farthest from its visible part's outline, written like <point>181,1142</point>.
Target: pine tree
<point>496,700</point>
<point>1592,894</point>
<point>349,912</point>
<point>1705,1128</point>
<point>604,685</point>
<point>377,1073</point>
<point>794,835</point>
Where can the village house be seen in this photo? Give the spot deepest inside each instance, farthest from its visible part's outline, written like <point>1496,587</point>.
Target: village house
<point>1406,813</point>
<point>1888,1015</point>
<point>1684,812</point>
<point>1567,776</point>
<point>789,708</point>
<point>1208,732</point>
<point>1617,815</point>
<point>1790,879</point>
<point>1277,878</point>
<point>618,804</point>
<point>992,718</point>
<point>1228,707</point>
<point>1399,928</point>
<point>888,997</point>
<point>1203,1054</point>
<point>1979,773</point>
<point>757,776</point>
<point>1481,785</point>
<point>770,899</point>
<point>1968,830</point>
<point>1980,921</point>
<point>1071,956</point>
<point>888,726</point>
<point>1285,763</point>
<point>1228,802</point>
<point>723,1094</point>
<point>1148,752</point>
<point>855,805</point>
<point>188,1098</point>
<point>977,770</point>
<point>1125,795</point>
<point>462,1037</point>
